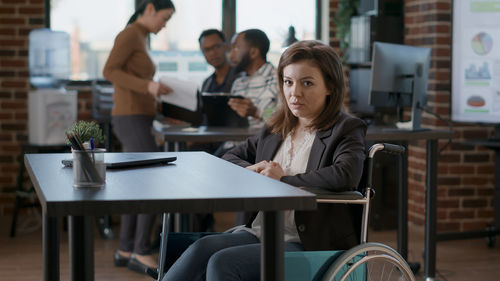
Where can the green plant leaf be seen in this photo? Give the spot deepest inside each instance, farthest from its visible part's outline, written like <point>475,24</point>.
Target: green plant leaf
<point>86,130</point>
<point>346,10</point>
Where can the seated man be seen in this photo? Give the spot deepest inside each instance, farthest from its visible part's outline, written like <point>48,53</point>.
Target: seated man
<point>310,142</point>
<point>213,46</point>
<point>216,111</point>
<point>258,87</point>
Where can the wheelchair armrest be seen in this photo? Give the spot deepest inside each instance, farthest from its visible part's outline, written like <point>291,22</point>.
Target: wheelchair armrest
<point>326,194</point>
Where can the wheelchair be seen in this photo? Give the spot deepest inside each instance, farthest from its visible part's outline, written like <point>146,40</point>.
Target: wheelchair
<point>367,261</point>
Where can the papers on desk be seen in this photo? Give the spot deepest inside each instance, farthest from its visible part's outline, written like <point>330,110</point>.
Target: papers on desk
<point>159,126</point>
<point>405,125</point>
<point>183,95</point>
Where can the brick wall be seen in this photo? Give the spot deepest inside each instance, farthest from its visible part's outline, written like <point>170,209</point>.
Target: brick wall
<point>334,42</point>
<point>17,19</point>
<point>465,178</point>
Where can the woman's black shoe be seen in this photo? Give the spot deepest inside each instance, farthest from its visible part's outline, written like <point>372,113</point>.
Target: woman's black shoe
<point>120,260</point>
<point>139,267</point>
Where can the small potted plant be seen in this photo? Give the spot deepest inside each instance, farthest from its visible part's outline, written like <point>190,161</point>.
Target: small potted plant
<point>89,169</point>
<point>86,131</point>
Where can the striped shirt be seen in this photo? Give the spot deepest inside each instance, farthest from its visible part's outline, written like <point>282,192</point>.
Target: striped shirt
<point>261,88</point>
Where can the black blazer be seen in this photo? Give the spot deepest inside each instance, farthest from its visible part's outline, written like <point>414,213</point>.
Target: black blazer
<point>335,163</point>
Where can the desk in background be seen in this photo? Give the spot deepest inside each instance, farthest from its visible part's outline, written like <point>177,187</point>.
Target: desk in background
<point>182,134</point>
<point>197,182</point>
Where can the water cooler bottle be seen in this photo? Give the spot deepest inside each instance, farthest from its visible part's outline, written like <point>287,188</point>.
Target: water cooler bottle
<point>51,109</point>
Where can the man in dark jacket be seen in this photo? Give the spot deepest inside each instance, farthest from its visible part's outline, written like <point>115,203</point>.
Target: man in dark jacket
<point>214,47</point>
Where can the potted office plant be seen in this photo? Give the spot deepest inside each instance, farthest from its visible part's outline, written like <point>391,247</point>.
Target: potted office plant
<point>86,130</point>
<point>342,19</point>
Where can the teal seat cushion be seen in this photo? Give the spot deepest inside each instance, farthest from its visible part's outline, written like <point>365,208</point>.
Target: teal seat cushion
<point>308,266</point>
<point>311,266</point>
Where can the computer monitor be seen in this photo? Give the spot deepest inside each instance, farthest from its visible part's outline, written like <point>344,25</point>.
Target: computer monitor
<point>399,79</point>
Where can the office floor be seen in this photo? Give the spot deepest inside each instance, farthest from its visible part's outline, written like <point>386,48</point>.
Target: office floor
<point>21,257</point>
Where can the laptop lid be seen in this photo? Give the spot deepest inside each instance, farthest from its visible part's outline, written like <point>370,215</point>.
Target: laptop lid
<point>129,160</point>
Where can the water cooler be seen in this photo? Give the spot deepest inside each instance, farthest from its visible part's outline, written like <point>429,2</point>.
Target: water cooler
<point>51,109</point>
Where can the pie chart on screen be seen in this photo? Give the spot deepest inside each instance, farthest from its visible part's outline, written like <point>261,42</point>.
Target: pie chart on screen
<point>482,43</point>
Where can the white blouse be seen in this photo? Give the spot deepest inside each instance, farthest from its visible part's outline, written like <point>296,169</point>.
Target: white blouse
<point>293,161</point>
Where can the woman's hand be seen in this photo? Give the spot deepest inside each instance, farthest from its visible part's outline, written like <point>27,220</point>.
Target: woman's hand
<point>273,170</point>
<point>258,167</point>
<point>157,89</point>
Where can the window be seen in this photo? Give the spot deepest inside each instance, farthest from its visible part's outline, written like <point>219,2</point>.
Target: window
<point>191,17</point>
<point>175,49</point>
<point>274,18</point>
<point>92,25</point>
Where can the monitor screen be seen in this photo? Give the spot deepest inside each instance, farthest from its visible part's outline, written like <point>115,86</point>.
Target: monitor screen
<point>399,79</point>
<point>397,71</point>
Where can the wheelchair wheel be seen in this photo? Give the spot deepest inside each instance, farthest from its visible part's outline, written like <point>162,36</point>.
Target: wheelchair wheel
<point>369,261</point>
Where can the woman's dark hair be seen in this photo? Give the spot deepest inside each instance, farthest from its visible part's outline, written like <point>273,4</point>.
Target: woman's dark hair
<point>257,38</point>
<point>158,4</point>
<point>328,62</point>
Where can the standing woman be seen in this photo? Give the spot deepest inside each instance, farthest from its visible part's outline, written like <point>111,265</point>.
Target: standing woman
<point>131,70</point>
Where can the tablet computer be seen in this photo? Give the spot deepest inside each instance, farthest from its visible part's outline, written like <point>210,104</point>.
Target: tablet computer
<point>218,113</point>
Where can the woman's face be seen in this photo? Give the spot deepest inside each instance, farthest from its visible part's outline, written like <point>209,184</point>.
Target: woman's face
<point>305,90</point>
<point>159,19</point>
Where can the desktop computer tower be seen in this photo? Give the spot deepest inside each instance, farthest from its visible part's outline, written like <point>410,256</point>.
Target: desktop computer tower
<point>50,113</point>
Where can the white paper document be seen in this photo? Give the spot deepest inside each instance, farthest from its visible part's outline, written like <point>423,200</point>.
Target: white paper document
<point>183,95</point>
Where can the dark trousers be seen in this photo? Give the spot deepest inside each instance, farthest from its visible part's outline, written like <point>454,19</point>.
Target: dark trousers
<point>134,133</point>
<point>221,257</point>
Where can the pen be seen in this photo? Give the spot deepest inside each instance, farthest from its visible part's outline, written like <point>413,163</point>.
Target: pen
<point>92,149</point>
<point>76,146</point>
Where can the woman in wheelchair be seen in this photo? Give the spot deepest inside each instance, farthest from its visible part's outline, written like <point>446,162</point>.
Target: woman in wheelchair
<point>309,142</point>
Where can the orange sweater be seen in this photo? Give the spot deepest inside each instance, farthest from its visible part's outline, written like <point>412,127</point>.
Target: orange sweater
<point>130,69</point>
